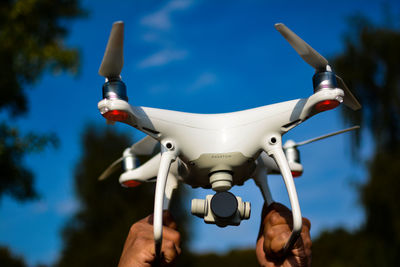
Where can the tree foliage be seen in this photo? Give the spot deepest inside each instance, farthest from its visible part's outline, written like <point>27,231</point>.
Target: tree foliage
<point>7,259</point>
<point>15,179</point>
<point>32,34</point>
<point>96,234</point>
<point>233,258</point>
<point>371,65</point>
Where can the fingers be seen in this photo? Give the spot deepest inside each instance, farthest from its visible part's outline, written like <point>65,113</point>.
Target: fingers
<point>302,248</point>
<point>170,234</point>
<point>170,251</point>
<point>260,253</point>
<point>139,248</point>
<point>276,230</point>
<point>168,220</point>
<point>276,238</point>
<point>170,248</point>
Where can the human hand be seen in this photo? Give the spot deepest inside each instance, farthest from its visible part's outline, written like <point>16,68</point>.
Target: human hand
<point>139,248</point>
<point>274,232</point>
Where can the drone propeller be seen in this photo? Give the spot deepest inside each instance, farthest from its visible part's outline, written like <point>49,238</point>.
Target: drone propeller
<point>111,169</point>
<point>308,54</point>
<point>113,58</point>
<point>146,147</point>
<point>293,144</point>
<point>315,60</point>
<point>349,100</point>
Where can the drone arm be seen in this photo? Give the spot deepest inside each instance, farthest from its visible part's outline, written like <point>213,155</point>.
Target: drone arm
<point>131,115</point>
<point>304,108</point>
<point>273,147</point>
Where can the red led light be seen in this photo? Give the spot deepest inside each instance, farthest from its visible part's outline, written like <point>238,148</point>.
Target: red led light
<point>326,105</point>
<point>116,115</point>
<point>296,173</point>
<point>131,183</point>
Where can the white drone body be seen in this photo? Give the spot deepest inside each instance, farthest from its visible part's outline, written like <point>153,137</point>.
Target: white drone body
<point>217,151</point>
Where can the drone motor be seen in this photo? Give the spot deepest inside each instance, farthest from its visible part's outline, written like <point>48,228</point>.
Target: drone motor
<point>115,89</point>
<point>324,80</point>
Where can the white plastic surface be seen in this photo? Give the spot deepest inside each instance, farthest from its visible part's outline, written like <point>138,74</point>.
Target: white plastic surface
<point>171,186</point>
<point>240,131</point>
<point>167,158</point>
<point>275,150</point>
<point>261,180</point>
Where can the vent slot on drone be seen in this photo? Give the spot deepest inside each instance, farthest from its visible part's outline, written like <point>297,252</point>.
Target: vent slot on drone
<point>150,131</point>
<point>290,125</point>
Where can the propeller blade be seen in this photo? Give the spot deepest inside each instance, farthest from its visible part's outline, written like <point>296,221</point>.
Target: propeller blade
<point>113,58</point>
<point>146,146</point>
<point>308,54</point>
<point>325,136</point>
<point>349,99</point>
<point>111,169</point>
<point>318,62</point>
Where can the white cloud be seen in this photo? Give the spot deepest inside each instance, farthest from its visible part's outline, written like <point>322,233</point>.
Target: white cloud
<point>157,28</point>
<point>204,80</point>
<point>162,57</point>
<point>161,19</point>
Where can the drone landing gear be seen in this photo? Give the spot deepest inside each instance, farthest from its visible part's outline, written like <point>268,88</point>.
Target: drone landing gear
<point>273,148</point>
<point>168,155</point>
<point>260,179</point>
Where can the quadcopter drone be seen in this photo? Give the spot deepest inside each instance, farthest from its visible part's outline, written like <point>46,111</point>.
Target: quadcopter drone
<point>217,151</point>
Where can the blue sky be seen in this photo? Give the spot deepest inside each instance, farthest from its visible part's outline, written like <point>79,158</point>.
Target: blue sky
<point>193,56</point>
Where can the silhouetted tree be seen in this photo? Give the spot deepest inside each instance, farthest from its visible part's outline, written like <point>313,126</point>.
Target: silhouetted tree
<point>9,260</point>
<point>370,64</point>
<point>32,37</point>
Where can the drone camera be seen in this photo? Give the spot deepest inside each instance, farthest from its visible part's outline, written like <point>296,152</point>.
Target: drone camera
<point>222,209</point>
